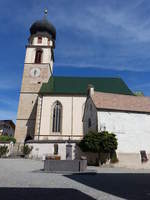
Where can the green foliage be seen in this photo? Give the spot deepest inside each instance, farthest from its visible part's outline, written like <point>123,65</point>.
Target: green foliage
<point>113,157</point>
<point>4,138</point>
<point>103,142</point>
<point>26,149</point>
<point>90,142</point>
<point>3,150</point>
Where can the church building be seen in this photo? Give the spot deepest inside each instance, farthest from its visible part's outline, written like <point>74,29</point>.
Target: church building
<point>51,108</point>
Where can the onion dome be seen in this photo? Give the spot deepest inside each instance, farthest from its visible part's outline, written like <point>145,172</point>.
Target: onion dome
<point>43,26</point>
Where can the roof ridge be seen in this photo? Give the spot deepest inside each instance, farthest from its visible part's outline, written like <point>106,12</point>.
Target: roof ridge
<point>116,94</point>
<point>120,102</point>
<point>87,77</point>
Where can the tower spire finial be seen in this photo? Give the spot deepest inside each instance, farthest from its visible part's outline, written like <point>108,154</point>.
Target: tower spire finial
<point>45,13</point>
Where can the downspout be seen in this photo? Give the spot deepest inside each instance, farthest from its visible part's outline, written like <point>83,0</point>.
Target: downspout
<point>72,118</point>
<point>41,103</point>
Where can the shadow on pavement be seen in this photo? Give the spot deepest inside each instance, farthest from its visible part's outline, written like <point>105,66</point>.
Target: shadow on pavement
<point>127,185</point>
<point>42,194</point>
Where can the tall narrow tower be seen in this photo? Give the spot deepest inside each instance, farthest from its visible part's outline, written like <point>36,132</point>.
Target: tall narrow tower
<point>38,68</point>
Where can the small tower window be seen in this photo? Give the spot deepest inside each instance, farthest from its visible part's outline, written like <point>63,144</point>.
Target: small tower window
<point>89,123</point>
<point>38,56</point>
<point>39,40</point>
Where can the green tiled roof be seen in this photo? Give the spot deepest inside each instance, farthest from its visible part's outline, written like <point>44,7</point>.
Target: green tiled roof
<point>78,85</point>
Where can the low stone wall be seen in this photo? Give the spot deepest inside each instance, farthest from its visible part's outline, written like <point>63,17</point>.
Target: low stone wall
<point>41,150</point>
<point>65,165</point>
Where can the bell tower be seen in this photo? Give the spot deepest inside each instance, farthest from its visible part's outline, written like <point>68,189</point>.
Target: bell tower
<point>38,68</point>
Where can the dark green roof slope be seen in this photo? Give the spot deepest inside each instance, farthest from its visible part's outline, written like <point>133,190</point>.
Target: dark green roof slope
<point>78,85</point>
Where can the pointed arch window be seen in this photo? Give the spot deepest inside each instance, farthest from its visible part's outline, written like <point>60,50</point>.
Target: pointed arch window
<point>38,56</point>
<point>57,115</point>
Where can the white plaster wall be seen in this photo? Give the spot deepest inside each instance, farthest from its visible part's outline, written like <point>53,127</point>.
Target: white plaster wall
<point>42,149</point>
<point>72,113</point>
<point>132,130</point>
<point>78,110</point>
<point>44,41</point>
<point>30,55</point>
<point>46,55</point>
<point>46,118</point>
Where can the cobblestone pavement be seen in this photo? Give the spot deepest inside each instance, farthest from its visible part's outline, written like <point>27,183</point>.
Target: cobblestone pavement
<point>22,179</point>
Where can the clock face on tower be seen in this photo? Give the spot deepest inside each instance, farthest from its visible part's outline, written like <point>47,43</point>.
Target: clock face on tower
<point>35,72</point>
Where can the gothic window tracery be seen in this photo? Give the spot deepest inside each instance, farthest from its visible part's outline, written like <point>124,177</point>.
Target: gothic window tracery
<point>57,115</point>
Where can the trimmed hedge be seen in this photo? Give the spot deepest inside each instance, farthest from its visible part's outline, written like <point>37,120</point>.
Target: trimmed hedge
<point>4,138</point>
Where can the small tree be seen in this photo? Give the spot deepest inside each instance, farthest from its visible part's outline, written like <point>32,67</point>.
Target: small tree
<point>103,143</point>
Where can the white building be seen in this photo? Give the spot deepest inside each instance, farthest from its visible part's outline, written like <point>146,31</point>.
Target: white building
<point>51,108</point>
<point>126,116</point>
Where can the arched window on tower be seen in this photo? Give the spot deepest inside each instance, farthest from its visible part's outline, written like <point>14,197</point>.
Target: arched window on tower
<point>38,56</point>
<point>39,40</point>
<point>57,117</point>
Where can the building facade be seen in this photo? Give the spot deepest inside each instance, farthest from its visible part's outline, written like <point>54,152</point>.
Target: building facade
<point>51,108</point>
<point>128,117</point>
<point>7,127</point>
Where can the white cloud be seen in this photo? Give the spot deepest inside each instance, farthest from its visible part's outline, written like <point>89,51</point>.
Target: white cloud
<point>122,25</point>
<point>100,66</point>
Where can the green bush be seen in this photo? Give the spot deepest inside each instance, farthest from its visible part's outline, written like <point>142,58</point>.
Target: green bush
<point>3,150</point>
<point>103,143</point>
<point>113,157</point>
<point>4,138</point>
<point>26,149</point>
<point>90,142</point>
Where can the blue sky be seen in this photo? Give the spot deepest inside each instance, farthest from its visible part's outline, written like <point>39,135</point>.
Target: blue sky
<point>94,38</point>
